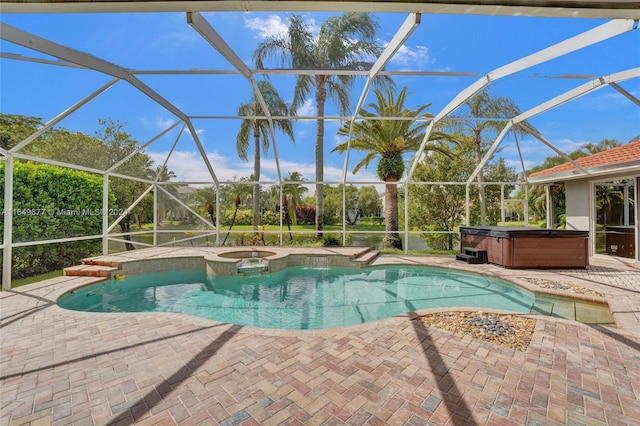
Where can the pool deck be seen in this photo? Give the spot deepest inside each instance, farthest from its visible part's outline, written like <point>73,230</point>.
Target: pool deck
<point>63,367</point>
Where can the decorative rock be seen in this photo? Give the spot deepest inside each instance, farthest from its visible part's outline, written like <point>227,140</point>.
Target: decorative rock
<point>556,285</point>
<point>511,331</point>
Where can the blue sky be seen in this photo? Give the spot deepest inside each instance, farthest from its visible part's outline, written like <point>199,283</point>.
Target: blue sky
<point>449,43</point>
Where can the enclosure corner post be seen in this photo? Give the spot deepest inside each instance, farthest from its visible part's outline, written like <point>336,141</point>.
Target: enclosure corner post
<point>105,216</point>
<point>467,208</point>
<point>406,217</point>
<point>7,254</point>
<point>155,214</point>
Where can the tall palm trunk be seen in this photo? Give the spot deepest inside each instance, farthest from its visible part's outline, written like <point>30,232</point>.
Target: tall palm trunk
<point>321,96</point>
<point>287,218</point>
<point>233,219</point>
<point>392,236</point>
<point>125,227</point>
<point>256,175</point>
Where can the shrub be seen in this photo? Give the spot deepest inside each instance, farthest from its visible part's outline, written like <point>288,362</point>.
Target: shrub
<point>329,240</point>
<point>243,217</point>
<point>443,240</point>
<point>270,217</point>
<point>306,215</point>
<point>51,202</point>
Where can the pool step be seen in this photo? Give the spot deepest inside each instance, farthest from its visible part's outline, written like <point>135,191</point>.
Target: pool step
<point>368,257</point>
<point>101,262</point>
<point>473,255</point>
<point>90,271</point>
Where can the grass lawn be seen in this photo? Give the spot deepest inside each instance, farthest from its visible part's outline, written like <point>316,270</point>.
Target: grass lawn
<point>35,279</point>
<point>303,231</point>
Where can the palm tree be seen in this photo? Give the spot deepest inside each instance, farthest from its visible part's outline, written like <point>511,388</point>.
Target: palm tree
<point>259,129</point>
<point>163,174</point>
<point>344,43</point>
<point>292,194</point>
<point>390,140</point>
<point>236,192</point>
<point>594,148</point>
<point>483,106</point>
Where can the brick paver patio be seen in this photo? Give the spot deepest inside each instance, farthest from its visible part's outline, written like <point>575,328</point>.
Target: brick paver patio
<point>64,367</point>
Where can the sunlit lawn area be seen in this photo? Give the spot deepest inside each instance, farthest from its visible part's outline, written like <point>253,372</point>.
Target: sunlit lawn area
<point>35,279</point>
<point>299,232</point>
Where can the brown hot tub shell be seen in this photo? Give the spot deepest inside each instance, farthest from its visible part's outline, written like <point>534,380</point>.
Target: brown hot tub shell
<point>520,247</point>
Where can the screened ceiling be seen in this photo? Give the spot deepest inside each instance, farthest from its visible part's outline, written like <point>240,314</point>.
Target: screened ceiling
<point>538,76</point>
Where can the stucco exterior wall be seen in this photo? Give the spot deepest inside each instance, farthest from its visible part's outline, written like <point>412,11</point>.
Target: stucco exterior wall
<point>578,199</point>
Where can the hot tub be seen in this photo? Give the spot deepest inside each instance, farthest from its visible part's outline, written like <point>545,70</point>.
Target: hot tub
<point>521,247</point>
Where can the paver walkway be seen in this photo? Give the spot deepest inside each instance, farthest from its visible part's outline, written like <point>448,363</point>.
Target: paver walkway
<point>63,367</point>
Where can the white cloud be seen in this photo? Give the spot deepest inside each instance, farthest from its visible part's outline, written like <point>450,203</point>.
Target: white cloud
<point>271,26</point>
<point>534,152</point>
<point>159,122</point>
<point>199,132</point>
<point>567,145</point>
<point>190,167</point>
<point>528,164</point>
<point>605,100</point>
<point>274,25</point>
<point>412,57</point>
<point>307,108</point>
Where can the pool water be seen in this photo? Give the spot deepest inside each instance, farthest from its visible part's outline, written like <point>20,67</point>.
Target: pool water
<point>301,297</point>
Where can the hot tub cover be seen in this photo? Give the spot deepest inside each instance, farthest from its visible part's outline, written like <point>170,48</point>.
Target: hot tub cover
<point>522,231</point>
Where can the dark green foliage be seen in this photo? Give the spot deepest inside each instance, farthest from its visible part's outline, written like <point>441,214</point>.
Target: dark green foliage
<point>390,165</point>
<point>305,215</point>
<point>329,241</point>
<point>51,202</point>
<point>443,240</point>
<point>392,242</point>
<point>15,128</point>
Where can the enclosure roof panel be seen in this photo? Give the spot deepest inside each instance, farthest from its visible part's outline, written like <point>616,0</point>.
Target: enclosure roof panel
<point>559,8</point>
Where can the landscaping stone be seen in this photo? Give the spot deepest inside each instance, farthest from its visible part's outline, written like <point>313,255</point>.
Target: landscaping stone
<point>510,331</point>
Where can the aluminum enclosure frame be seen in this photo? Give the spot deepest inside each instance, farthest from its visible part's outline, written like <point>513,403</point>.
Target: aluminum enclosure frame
<point>625,14</point>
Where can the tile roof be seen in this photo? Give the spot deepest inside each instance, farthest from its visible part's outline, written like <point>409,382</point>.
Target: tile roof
<point>622,154</point>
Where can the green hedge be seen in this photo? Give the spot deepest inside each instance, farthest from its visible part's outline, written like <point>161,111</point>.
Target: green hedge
<point>52,202</point>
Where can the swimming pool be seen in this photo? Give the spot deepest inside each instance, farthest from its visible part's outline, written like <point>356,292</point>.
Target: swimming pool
<point>301,297</point>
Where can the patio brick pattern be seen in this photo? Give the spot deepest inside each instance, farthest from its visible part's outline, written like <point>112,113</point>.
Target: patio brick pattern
<point>63,367</point>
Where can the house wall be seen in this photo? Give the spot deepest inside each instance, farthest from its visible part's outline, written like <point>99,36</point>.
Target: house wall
<point>637,219</point>
<point>578,199</point>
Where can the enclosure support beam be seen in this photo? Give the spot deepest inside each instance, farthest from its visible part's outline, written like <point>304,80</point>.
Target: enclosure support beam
<point>502,215</point>
<point>186,207</point>
<point>105,217</point>
<point>406,29</point>
<point>625,93</point>
<point>406,219</point>
<point>587,38</point>
<point>7,255</point>
<point>565,97</point>
<point>467,208</point>
<point>141,148</point>
<point>526,205</point>
<point>128,209</point>
<point>206,31</point>
<point>173,147</point>
<point>33,42</point>
<point>49,125</point>
<point>155,214</point>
